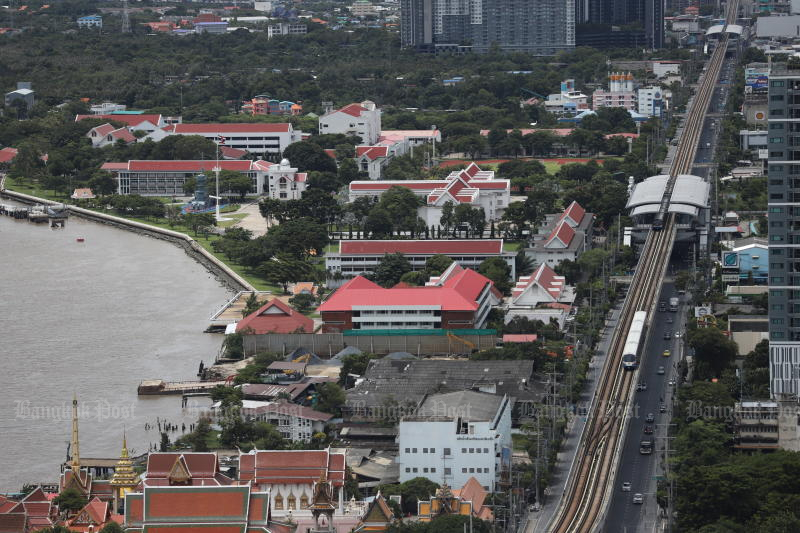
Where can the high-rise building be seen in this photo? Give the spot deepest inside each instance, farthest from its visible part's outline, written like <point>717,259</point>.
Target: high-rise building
<point>784,231</point>
<point>647,14</point>
<point>539,27</point>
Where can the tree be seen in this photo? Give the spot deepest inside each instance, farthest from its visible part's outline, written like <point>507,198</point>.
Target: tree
<point>330,398</point>
<point>415,277</point>
<point>102,183</point>
<point>591,261</point>
<point>267,437</point>
<point>284,269</point>
<point>307,156</point>
<point>302,302</point>
<point>401,204</point>
<point>714,351</point>
<point>70,500</point>
<point>437,264</point>
<point>236,182</point>
<point>300,238</point>
<point>251,305</point>
<point>348,171</point>
<point>390,269</point>
<point>356,364</point>
<point>498,271</point>
<point>112,527</point>
<point>379,224</point>
<point>198,221</point>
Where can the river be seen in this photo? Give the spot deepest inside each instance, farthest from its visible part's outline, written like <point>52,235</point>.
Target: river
<point>93,319</point>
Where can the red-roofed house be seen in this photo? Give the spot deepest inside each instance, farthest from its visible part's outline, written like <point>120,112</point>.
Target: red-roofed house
<point>290,477</point>
<point>472,186</point>
<point>372,160</point>
<point>544,295</point>
<point>275,317</point>
<point>458,299</point>
<point>166,178</point>
<point>285,183</point>
<point>361,257</point>
<point>34,510</point>
<point>361,120</point>
<point>183,469</point>
<point>564,235</point>
<point>94,516</point>
<point>106,134</point>
<point>215,509</point>
<point>134,121</point>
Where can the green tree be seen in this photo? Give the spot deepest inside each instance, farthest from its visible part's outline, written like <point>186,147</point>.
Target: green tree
<point>714,351</point>
<point>436,264</point>
<point>199,221</point>
<point>251,305</point>
<point>307,156</point>
<point>498,271</point>
<point>284,269</point>
<point>330,398</point>
<point>356,364</point>
<point>235,182</point>
<point>112,527</point>
<point>348,171</point>
<point>267,437</point>
<point>70,500</point>
<point>302,302</point>
<point>390,269</point>
<point>300,238</point>
<point>103,183</point>
<point>591,261</point>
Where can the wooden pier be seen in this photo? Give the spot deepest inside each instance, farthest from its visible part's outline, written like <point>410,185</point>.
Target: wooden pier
<point>159,387</point>
<point>56,215</point>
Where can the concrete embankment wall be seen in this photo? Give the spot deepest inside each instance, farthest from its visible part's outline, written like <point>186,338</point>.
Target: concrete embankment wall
<point>191,246</point>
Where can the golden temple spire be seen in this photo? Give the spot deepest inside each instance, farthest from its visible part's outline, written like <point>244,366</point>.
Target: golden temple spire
<point>75,450</point>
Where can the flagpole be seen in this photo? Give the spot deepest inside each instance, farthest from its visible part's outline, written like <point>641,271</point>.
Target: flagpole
<point>216,172</point>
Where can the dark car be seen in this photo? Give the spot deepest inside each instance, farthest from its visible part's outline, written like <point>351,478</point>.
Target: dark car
<point>648,430</point>
<point>662,408</point>
<point>642,386</point>
<point>667,335</point>
<point>650,418</point>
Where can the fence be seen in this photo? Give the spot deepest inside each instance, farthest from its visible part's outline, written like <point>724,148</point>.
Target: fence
<point>329,344</point>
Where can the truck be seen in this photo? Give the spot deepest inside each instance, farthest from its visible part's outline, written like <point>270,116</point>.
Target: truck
<point>673,304</point>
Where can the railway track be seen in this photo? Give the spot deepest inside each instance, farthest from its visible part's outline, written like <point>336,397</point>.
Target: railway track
<point>588,488</point>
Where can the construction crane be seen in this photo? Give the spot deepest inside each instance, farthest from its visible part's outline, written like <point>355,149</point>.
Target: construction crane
<point>533,93</point>
<point>459,339</point>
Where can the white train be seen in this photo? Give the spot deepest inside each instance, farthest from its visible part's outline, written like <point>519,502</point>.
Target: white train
<point>630,354</point>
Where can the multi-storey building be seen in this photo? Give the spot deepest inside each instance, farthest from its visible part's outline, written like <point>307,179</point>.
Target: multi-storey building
<point>264,139</point>
<point>643,18</point>
<point>542,28</point>
<point>361,120</point>
<point>455,436</point>
<point>784,231</point>
<point>620,93</point>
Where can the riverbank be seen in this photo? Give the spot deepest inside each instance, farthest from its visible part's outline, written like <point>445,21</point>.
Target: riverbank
<point>191,246</point>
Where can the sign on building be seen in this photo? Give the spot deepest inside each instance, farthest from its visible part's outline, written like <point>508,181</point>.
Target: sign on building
<point>730,260</point>
<point>730,278</point>
<point>702,310</point>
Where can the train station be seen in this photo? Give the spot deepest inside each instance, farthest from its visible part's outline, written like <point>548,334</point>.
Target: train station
<point>688,200</point>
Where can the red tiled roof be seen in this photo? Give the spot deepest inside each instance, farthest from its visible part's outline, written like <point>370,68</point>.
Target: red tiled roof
<point>124,134</point>
<point>422,247</point>
<point>354,110</point>
<point>103,129</point>
<point>8,154</point>
<point>114,166</point>
<point>246,127</point>
<point>13,523</point>
<point>386,185</point>
<point>562,232</point>
<point>275,317</point>
<point>199,464</point>
<point>575,212</point>
<point>456,294</point>
<point>471,170</point>
<point>292,466</point>
<point>232,153</point>
<point>130,120</point>
<point>372,152</point>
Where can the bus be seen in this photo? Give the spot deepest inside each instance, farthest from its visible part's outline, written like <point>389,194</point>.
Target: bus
<point>673,304</point>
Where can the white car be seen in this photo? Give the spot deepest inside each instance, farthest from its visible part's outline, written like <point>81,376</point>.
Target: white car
<point>626,486</point>
<point>638,498</point>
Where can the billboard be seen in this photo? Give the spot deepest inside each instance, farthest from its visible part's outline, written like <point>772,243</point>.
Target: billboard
<point>730,260</point>
<point>757,78</point>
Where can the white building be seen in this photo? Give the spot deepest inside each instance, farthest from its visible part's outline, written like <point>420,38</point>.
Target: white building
<point>360,257</point>
<point>621,93</point>
<point>753,140</point>
<point>544,295</point>
<point>106,134</point>
<point>294,422</point>
<point>90,21</point>
<point>145,122</point>
<point>568,101</point>
<point>265,139</point>
<point>285,183</point>
<point>362,120</point>
<point>651,101</point>
<point>662,69</point>
<point>455,436</point>
<point>473,186</point>
<point>563,236</point>
<point>286,28</point>
<point>106,107</point>
<point>363,8</point>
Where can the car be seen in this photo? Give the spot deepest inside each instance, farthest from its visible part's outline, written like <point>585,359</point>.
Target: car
<point>638,498</point>
<point>677,334</point>
<point>672,383</point>
<point>648,430</point>
<point>626,486</point>
<point>660,371</point>
<point>534,508</point>
<point>666,353</point>
<point>667,335</point>
<point>642,386</point>
<point>650,418</point>
<point>662,408</point>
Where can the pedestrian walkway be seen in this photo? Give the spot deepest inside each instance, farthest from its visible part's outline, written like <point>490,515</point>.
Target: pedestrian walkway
<point>253,220</point>
<point>538,521</point>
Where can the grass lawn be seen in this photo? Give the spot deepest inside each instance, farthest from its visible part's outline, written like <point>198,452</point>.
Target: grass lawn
<point>551,167</point>
<point>234,218</point>
<point>519,442</point>
<point>511,246</point>
<point>332,248</point>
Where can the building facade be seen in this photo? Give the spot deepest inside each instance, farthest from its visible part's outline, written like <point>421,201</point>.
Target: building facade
<point>361,257</point>
<point>621,93</point>
<point>458,299</point>
<point>542,28</point>
<point>263,139</point>
<point>285,183</point>
<point>90,21</point>
<point>563,236</point>
<point>361,120</point>
<point>455,436</point>
<point>651,101</point>
<point>784,215</point>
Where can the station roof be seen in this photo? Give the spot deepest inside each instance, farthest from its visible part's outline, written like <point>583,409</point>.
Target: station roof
<point>688,196</point>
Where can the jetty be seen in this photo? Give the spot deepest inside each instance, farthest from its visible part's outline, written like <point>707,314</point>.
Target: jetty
<point>56,214</point>
<point>160,387</point>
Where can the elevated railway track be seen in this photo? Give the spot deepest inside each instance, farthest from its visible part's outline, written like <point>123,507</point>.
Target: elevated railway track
<point>589,487</point>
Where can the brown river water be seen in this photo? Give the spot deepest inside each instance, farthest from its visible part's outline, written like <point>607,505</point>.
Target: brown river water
<point>94,319</point>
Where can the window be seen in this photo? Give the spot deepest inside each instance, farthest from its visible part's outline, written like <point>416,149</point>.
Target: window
<point>446,452</point>
<point>486,450</point>
<point>433,470</point>
<point>414,469</point>
<point>433,450</point>
<point>776,279</point>
<point>776,154</point>
<point>425,470</point>
<point>776,210</point>
<point>463,450</point>
<point>776,98</point>
<point>408,469</point>
<point>448,472</point>
<point>472,450</point>
<point>424,450</point>
<point>775,140</point>
<point>776,83</point>
<point>776,126</point>
<point>413,450</point>
<point>776,112</point>
<point>471,470</point>
<point>463,470</point>
<point>408,450</point>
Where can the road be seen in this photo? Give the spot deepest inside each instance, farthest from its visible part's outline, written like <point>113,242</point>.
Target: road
<point>640,470</point>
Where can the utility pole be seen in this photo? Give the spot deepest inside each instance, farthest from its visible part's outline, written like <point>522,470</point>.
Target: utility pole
<point>126,22</point>
<point>668,475</point>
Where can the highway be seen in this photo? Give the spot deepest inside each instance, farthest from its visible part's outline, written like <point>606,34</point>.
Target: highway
<point>589,489</point>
